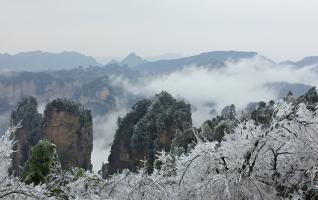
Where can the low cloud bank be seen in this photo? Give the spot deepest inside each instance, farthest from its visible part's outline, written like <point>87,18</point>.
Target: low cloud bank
<point>237,83</point>
<point>207,90</point>
<point>104,131</point>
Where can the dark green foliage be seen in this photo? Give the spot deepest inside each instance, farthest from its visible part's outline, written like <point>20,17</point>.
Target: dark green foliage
<point>149,127</point>
<point>43,159</point>
<point>163,112</point>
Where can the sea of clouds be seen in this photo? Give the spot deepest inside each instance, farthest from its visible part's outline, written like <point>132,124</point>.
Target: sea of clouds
<point>206,89</point>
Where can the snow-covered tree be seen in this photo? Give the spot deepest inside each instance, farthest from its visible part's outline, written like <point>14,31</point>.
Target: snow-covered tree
<point>11,187</point>
<point>277,161</point>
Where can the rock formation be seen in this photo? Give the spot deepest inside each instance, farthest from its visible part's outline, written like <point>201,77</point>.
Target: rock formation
<point>93,87</point>
<point>28,135</point>
<point>215,129</point>
<point>310,98</point>
<point>229,112</point>
<point>150,127</point>
<point>66,124</point>
<point>69,126</point>
<point>263,113</point>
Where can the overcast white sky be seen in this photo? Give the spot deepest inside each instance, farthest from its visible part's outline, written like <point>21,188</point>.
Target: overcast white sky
<point>278,29</point>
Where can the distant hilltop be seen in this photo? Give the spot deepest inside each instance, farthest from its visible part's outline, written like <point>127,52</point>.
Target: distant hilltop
<point>39,61</point>
<point>210,59</point>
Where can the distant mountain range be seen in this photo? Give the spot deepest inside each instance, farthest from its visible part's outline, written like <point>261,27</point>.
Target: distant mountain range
<point>210,59</point>
<point>166,56</point>
<point>39,61</point>
<point>311,60</point>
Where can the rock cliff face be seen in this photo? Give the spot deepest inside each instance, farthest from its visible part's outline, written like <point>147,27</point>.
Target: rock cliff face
<point>97,95</point>
<point>94,87</point>
<point>150,127</point>
<point>28,135</point>
<point>41,85</point>
<point>69,126</point>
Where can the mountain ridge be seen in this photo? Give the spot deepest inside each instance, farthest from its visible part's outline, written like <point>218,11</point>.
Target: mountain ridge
<point>41,60</point>
<point>305,61</point>
<point>213,59</point>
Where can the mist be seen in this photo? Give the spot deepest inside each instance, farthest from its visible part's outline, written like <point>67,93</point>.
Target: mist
<point>104,132</point>
<point>207,90</point>
<point>237,83</point>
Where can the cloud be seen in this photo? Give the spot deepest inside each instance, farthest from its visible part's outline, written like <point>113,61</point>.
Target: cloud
<point>237,83</point>
<point>4,122</point>
<point>104,131</point>
<point>205,89</point>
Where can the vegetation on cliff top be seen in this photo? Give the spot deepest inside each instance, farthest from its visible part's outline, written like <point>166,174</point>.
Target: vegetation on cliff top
<point>148,128</point>
<point>27,114</point>
<point>67,105</point>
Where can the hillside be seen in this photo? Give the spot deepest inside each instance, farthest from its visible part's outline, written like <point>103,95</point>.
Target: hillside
<point>212,59</point>
<point>39,61</point>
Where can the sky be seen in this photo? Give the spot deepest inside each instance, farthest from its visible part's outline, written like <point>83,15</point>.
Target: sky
<point>278,29</point>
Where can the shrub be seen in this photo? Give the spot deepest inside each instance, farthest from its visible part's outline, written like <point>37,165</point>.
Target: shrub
<point>39,165</point>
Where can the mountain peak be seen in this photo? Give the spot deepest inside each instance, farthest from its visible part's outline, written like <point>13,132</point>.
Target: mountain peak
<point>41,60</point>
<point>132,60</point>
